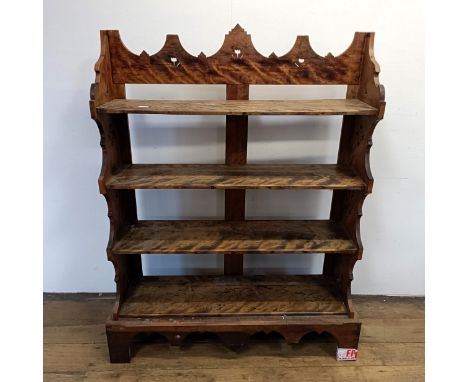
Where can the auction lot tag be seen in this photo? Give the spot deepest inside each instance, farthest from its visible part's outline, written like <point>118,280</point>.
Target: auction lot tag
<point>344,354</point>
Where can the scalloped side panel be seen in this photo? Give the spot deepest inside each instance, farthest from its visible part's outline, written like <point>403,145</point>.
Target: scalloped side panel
<point>104,89</point>
<point>236,62</point>
<point>370,90</point>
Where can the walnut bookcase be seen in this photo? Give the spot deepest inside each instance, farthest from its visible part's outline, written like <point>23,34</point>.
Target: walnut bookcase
<point>235,306</point>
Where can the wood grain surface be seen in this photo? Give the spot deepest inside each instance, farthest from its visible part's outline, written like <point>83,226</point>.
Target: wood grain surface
<point>354,151</point>
<point>231,295</point>
<point>216,236</point>
<point>218,176</point>
<point>236,62</point>
<point>239,107</point>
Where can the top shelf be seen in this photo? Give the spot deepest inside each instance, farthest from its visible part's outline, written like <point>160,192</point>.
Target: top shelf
<point>237,107</point>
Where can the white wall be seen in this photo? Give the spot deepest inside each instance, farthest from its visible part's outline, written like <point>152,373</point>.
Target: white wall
<point>75,220</point>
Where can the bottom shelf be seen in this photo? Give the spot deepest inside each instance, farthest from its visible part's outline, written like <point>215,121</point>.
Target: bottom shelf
<point>233,331</point>
<point>231,307</point>
<point>205,296</point>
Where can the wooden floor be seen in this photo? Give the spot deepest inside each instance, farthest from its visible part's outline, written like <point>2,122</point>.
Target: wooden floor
<point>391,349</point>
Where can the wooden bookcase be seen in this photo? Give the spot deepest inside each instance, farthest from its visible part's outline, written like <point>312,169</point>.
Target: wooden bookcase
<point>235,306</point>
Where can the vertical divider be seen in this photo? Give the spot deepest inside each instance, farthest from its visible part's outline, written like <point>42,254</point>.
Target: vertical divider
<point>236,154</point>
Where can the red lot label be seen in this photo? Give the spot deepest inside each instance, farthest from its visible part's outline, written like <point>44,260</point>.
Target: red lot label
<point>344,354</point>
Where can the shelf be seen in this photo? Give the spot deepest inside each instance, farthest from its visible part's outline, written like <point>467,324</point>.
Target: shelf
<point>205,176</point>
<point>217,236</point>
<point>238,107</point>
<point>234,295</point>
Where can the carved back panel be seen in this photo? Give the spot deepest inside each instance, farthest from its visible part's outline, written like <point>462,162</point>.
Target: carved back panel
<point>236,62</point>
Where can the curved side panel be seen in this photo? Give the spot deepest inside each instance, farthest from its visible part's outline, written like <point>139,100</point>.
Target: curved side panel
<point>104,89</point>
<point>354,153</point>
<point>356,141</point>
<point>373,93</point>
<point>115,145</point>
<point>370,89</point>
<point>357,131</point>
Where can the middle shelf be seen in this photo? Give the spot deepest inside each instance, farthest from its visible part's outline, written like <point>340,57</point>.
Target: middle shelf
<point>251,176</point>
<point>231,237</point>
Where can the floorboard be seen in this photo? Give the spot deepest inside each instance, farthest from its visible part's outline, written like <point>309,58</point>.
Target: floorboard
<point>391,348</point>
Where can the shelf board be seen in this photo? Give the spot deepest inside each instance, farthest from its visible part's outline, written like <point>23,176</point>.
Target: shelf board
<point>238,107</point>
<point>218,176</point>
<point>204,296</point>
<point>218,236</point>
